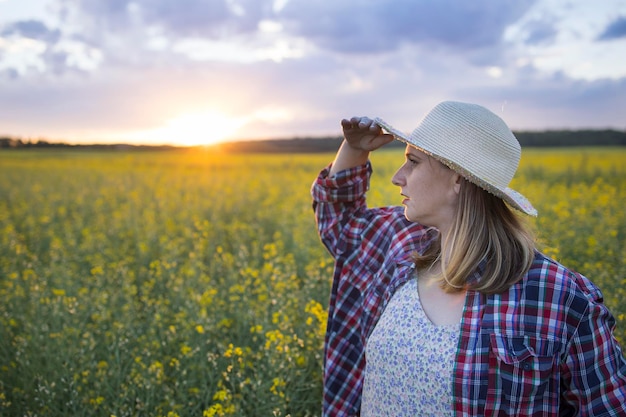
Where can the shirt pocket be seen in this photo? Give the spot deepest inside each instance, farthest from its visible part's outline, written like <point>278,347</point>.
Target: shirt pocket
<point>524,368</point>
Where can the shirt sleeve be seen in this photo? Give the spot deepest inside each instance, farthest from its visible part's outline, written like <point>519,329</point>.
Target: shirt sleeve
<point>336,200</point>
<point>595,368</point>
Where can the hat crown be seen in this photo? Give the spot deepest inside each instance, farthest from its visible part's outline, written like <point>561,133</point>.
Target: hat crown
<point>470,137</point>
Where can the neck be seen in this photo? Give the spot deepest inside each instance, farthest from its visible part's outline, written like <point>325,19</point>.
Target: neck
<point>431,272</point>
<point>442,255</point>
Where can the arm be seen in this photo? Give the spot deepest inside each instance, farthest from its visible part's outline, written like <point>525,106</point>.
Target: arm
<point>595,368</point>
<point>339,191</point>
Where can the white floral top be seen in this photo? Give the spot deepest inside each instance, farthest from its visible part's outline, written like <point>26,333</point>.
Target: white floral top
<point>409,361</point>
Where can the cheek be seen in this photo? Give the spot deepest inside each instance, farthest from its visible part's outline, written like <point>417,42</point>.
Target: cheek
<point>435,187</point>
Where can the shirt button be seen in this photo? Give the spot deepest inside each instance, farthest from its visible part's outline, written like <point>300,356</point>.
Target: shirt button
<point>527,366</point>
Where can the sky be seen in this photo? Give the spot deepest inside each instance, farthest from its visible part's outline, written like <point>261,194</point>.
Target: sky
<point>188,72</point>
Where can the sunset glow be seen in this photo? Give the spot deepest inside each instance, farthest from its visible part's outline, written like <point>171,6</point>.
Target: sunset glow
<point>192,129</point>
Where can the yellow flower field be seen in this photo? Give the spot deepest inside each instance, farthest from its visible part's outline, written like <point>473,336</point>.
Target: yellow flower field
<point>186,283</point>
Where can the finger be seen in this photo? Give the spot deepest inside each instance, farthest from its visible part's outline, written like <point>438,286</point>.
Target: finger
<point>387,137</point>
<point>365,123</point>
<point>354,123</point>
<point>351,123</point>
<point>355,120</point>
<point>373,127</point>
<point>382,140</point>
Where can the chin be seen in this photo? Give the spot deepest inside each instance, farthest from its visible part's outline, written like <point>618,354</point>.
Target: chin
<point>409,216</point>
<point>415,218</point>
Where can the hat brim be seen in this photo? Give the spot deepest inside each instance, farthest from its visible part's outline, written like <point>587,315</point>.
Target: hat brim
<point>510,196</point>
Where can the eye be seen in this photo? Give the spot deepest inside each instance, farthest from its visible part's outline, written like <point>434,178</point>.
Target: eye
<point>411,160</point>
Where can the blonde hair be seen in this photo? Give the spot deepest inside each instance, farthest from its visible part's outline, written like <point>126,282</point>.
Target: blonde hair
<point>485,231</point>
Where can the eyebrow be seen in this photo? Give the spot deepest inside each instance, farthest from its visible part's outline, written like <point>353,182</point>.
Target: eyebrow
<point>415,154</point>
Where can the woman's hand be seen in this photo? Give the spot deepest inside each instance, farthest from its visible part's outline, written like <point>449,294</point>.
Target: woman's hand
<point>361,136</point>
<point>361,133</point>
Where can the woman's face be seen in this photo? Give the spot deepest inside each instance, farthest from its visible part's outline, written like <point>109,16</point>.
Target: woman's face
<point>430,189</point>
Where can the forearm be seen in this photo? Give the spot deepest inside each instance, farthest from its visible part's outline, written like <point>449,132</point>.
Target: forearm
<point>595,369</point>
<point>348,157</point>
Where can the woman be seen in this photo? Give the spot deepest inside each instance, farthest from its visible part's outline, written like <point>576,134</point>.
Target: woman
<point>445,307</point>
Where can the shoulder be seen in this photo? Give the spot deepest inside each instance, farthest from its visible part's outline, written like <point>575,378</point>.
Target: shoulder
<point>555,288</point>
<point>547,272</point>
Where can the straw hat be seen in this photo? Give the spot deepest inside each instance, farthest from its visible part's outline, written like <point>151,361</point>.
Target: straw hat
<point>472,141</point>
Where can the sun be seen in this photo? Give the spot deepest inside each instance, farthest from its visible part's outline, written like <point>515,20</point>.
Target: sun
<point>195,128</point>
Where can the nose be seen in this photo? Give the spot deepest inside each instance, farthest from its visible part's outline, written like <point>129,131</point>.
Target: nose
<point>398,178</point>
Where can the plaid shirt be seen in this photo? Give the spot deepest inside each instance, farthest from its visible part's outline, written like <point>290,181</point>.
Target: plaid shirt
<point>545,347</point>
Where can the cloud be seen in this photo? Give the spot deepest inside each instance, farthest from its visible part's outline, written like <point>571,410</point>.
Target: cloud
<point>183,18</point>
<point>29,46</point>
<point>615,30</point>
<point>146,33</point>
<point>358,26</point>
<point>557,101</point>
<point>540,32</point>
<point>366,26</point>
<point>32,29</point>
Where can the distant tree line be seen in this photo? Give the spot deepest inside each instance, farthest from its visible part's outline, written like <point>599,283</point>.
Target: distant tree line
<point>12,143</point>
<point>550,138</point>
<point>556,138</point>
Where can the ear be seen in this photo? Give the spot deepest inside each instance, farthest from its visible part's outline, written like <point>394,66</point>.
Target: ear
<point>457,179</point>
